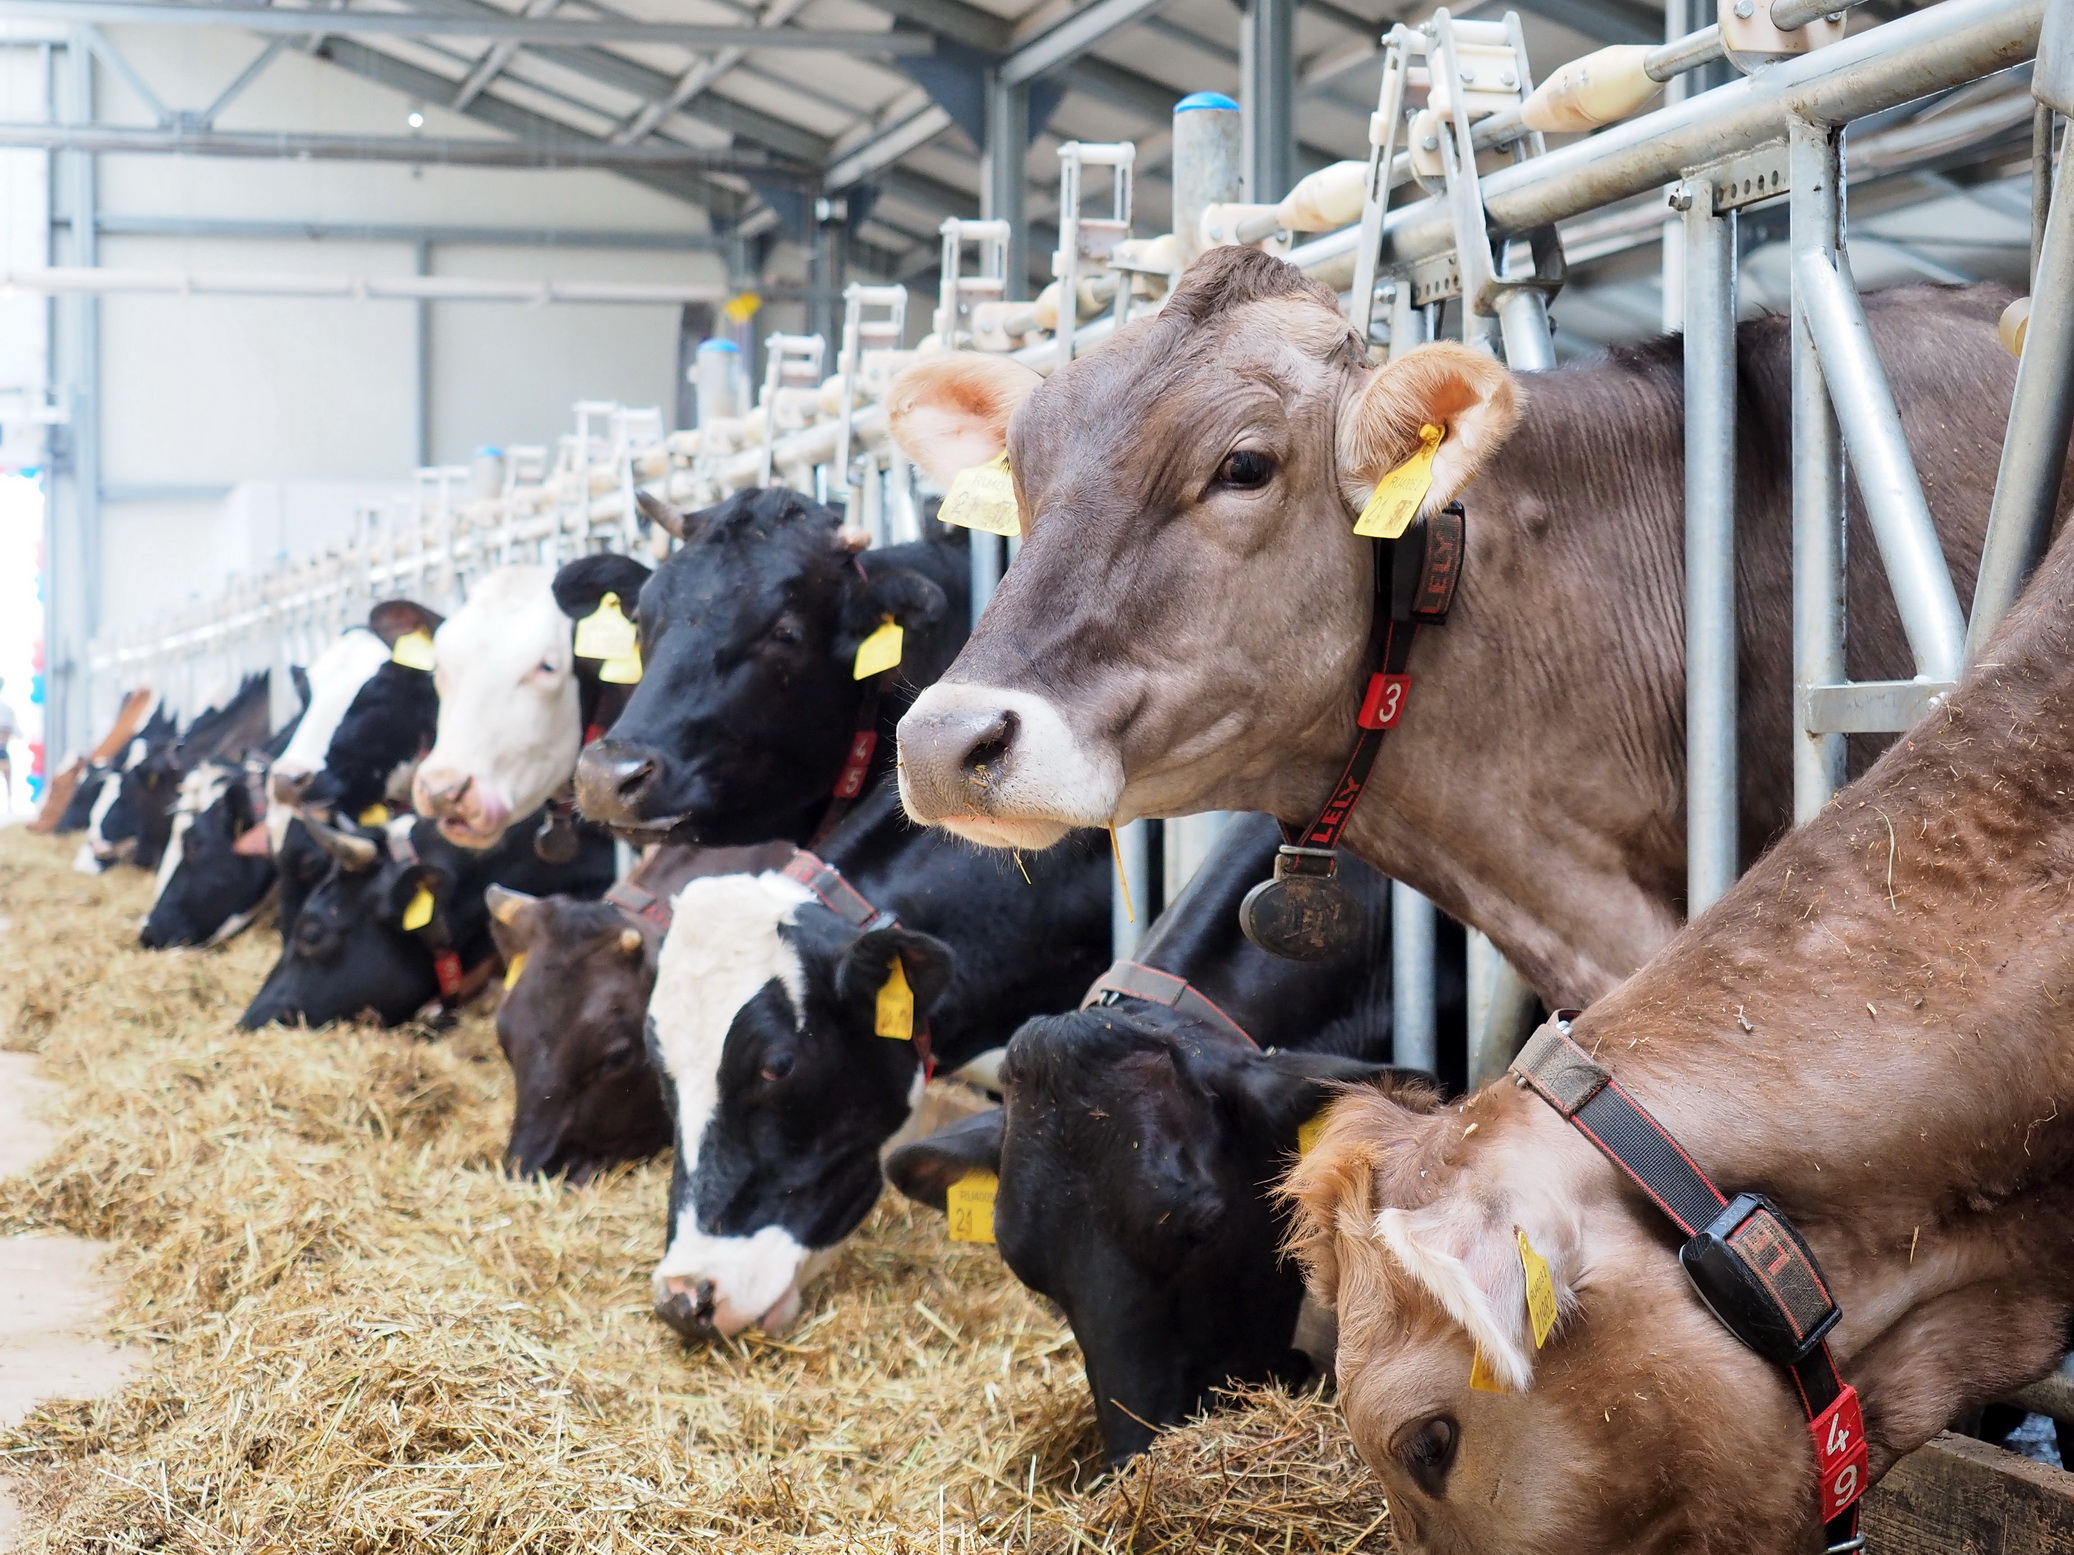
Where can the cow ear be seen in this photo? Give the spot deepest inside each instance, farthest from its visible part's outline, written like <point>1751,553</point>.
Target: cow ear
<point>581,584</point>
<point>909,598</point>
<point>1351,1166</point>
<point>924,960</point>
<point>1280,1092</point>
<point>394,619</point>
<point>926,1169</point>
<point>949,413</point>
<point>513,919</point>
<point>1463,391</point>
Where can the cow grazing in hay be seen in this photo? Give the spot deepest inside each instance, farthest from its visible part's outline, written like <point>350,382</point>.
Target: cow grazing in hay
<point>1186,625</point>
<point>1873,1031</point>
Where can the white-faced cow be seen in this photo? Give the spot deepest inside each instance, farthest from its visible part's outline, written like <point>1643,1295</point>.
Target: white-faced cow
<point>516,703</point>
<point>772,993</point>
<point>749,722</point>
<point>1140,1138</point>
<point>1872,1031</point>
<point>1186,625</point>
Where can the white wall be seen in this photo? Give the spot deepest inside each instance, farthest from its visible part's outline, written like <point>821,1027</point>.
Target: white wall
<point>24,206</point>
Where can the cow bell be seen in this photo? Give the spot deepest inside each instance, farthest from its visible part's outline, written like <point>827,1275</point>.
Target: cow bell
<point>1304,913</point>
<point>555,842</point>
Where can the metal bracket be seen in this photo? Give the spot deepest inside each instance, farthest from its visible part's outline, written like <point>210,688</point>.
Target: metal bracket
<point>1871,706</point>
<point>1750,179</point>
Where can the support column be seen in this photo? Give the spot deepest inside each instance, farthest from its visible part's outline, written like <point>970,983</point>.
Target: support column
<point>1815,166</point>
<point>1415,1011</point>
<point>1004,183</point>
<point>1712,848</point>
<point>1267,94</point>
<point>72,537</point>
<point>1678,15</point>
<point>421,343</point>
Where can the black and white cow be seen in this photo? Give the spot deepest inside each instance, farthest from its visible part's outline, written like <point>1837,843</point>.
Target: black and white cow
<point>1139,1141</point>
<point>368,722</point>
<point>217,870</point>
<point>515,700</point>
<point>748,701</point>
<point>357,944</point>
<point>109,799</point>
<point>764,1023</point>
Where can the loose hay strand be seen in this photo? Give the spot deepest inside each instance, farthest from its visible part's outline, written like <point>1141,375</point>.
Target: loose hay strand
<point>366,1337</point>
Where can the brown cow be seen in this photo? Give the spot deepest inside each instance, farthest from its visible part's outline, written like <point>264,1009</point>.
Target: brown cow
<point>1185,626</point>
<point>1873,1029</point>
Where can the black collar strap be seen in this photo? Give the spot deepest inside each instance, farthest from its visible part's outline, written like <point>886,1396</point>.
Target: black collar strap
<point>848,903</point>
<point>864,743</point>
<point>1135,980</point>
<point>639,902</point>
<point>1743,1256</point>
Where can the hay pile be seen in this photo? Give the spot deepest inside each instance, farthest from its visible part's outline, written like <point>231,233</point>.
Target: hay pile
<point>366,1337</point>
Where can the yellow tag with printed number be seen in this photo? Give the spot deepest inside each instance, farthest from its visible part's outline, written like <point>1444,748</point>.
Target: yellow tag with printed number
<point>983,497</point>
<point>624,671</point>
<point>1541,1296</point>
<point>1307,1132</point>
<point>515,971</point>
<point>375,815</point>
<point>880,651</point>
<point>1482,1378</point>
<point>1398,495</point>
<point>413,650</point>
<point>605,633</point>
<point>970,1205</point>
<point>419,912</point>
<point>896,1012</point>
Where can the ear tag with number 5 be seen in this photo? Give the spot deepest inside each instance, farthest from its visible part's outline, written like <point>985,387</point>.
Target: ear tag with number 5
<point>1399,495</point>
<point>880,651</point>
<point>605,633</point>
<point>983,497</point>
<point>895,1016</point>
<point>969,1202</point>
<point>419,912</point>
<point>413,650</point>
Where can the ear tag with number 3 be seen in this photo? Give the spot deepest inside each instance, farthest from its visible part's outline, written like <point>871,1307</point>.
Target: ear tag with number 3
<point>895,1016</point>
<point>983,497</point>
<point>1399,495</point>
<point>1541,1296</point>
<point>413,650</point>
<point>969,1202</point>
<point>419,912</point>
<point>515,971</point>
<point>880,651</point>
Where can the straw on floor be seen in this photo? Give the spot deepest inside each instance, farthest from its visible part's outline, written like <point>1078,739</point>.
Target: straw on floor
<point>366,1337</point>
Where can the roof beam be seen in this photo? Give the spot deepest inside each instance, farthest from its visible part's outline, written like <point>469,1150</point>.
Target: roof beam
<point>491,23</point>
<point>1073,37</point>
<point>450,234</point>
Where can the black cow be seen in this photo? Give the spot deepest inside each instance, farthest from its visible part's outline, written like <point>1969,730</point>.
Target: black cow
<point>349,952</point>
<point>217,870</point>
<point>390,724</point>
<point>765,1022</point>
<point>1137,1147</point>
<point>749,703</point>
<point>102,805</point>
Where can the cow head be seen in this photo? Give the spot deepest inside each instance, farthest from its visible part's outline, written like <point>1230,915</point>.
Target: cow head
<point>748,701</point>
<point>333,683</point>
<point>1133,1154</point>
<point>209,887</point>
<point>511,714</point>
<point>762,1022</point>
<point>1641,1425</point>
<point>571,1027</point>
<point>1184,628</point>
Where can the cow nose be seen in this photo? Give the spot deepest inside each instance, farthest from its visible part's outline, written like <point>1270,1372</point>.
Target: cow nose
<point>289,787</point>
<point>953,756</point>
<point>616,782</point>
<point>686,1303</point>
<point>439,791</point>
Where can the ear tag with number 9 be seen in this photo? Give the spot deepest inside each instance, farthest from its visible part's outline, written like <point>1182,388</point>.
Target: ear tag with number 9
<point>413,650</point>
<point>1399,495</point>
<point>983,497</point>
<point>969,1202</point>
<point>880,651</point>
<point>895,1016</point>
<point>419,912</point>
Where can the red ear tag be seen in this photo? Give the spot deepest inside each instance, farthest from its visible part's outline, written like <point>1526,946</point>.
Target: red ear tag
<point>1841,1466</point>
<point>447,967</point>
<point>1384,702</point>
<point>850,782</point>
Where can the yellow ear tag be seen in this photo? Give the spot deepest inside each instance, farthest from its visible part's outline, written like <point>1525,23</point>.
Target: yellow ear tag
<point>624,671</point>
<point>896,1011</point>
<point>419,913</point>
<point>1482,1378</point>
<point>1307,1132</point>
<point>1541,1296</point>
<point>1398,495</point>
<point>515,971</point>
<point>880,651</point>
<point>983,497</point>
<point>970,1204</point>
<point>413,650</point>
<point>374,815</point>
<point>605,633</point>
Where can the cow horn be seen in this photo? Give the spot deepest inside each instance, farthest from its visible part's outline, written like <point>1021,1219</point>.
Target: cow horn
<point>355,855</point>
<point>506,904</point>
<point>851,538</point>
<point>660,512</point>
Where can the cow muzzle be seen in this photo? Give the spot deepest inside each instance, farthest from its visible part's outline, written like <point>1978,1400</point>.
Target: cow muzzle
<point>695,1308</point>
<point>469,813</point>
<point>1002,768</point>
<point>619,783</point>
<point>289,787</point>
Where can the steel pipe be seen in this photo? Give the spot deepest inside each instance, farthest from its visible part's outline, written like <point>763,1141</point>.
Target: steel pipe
<point>1900,518</point>
<point>1712,846</point>
<point>2041,415</point>
<point>87,281</point>
<point>1414,1010</point>
<point>1501,1010</point>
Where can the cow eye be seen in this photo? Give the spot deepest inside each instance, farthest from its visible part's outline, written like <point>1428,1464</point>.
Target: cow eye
<point>1429,1453</point>
<point>787,632</point>
<point>776,1067</point>
<point>618,1058</point>
<point>1246,469</point>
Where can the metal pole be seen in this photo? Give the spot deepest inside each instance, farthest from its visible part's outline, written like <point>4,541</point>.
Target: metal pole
<point>421,344</point>
<point>73,554</point>
<point>1678,19</point>
<point>1414,1010</point>
<point>2041,414</point>
<point>1501,1006</point>
<point>1209,144</point>
<point>1712,845</point>
<point>1267,77</point>
<point>1127,927</point>
<point>1523,327</point>
<point>1003,181</point>
<point>1815,167</point>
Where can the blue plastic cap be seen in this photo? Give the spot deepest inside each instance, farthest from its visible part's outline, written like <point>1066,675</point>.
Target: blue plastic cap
<point>1206,100</point>
<point>718,345</point>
